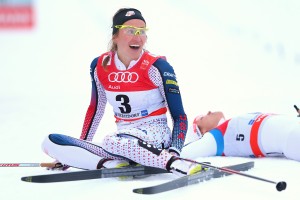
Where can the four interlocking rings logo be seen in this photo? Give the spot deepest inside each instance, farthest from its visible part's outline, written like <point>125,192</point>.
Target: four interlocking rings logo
<point>123,77</point>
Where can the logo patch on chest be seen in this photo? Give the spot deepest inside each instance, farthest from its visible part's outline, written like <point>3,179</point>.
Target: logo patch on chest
<point>123,77</point>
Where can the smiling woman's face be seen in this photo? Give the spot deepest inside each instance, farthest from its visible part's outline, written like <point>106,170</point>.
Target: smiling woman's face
<point>130,46</point>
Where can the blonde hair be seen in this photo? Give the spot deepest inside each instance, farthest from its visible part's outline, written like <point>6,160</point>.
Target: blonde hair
<point>112,46</point>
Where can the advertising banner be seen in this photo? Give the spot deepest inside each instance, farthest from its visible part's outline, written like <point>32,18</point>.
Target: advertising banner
<point>16,14</point>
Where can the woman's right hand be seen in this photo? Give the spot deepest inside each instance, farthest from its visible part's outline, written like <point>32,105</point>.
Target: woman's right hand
<point>57,166</point>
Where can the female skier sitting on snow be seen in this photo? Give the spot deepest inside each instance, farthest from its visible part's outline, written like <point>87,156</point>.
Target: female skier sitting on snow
<point>141,88</point>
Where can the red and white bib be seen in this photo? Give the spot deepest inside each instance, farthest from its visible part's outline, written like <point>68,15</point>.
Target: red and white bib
<point>131,92</point>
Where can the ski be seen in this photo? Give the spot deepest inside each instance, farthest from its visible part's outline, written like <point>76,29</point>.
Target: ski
<point>94,174</point>
<point>192,179</point>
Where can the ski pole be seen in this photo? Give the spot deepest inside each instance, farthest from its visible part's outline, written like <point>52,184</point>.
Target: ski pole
<point>297,109</point>
<point>50,165</point>
<point>279,185</point>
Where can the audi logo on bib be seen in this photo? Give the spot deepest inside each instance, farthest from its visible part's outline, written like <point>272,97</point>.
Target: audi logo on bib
<point>123,77</point>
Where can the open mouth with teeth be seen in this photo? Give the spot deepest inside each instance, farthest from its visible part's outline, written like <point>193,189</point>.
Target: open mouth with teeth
<point>134,46</point>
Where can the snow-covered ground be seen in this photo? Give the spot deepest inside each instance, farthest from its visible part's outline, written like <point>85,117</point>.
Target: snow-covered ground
<point>234,56</point>
<point>231,187</point>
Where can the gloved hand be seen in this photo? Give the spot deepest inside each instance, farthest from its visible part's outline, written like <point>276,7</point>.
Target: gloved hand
<point>58,166</point>
<point>174,152</point>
